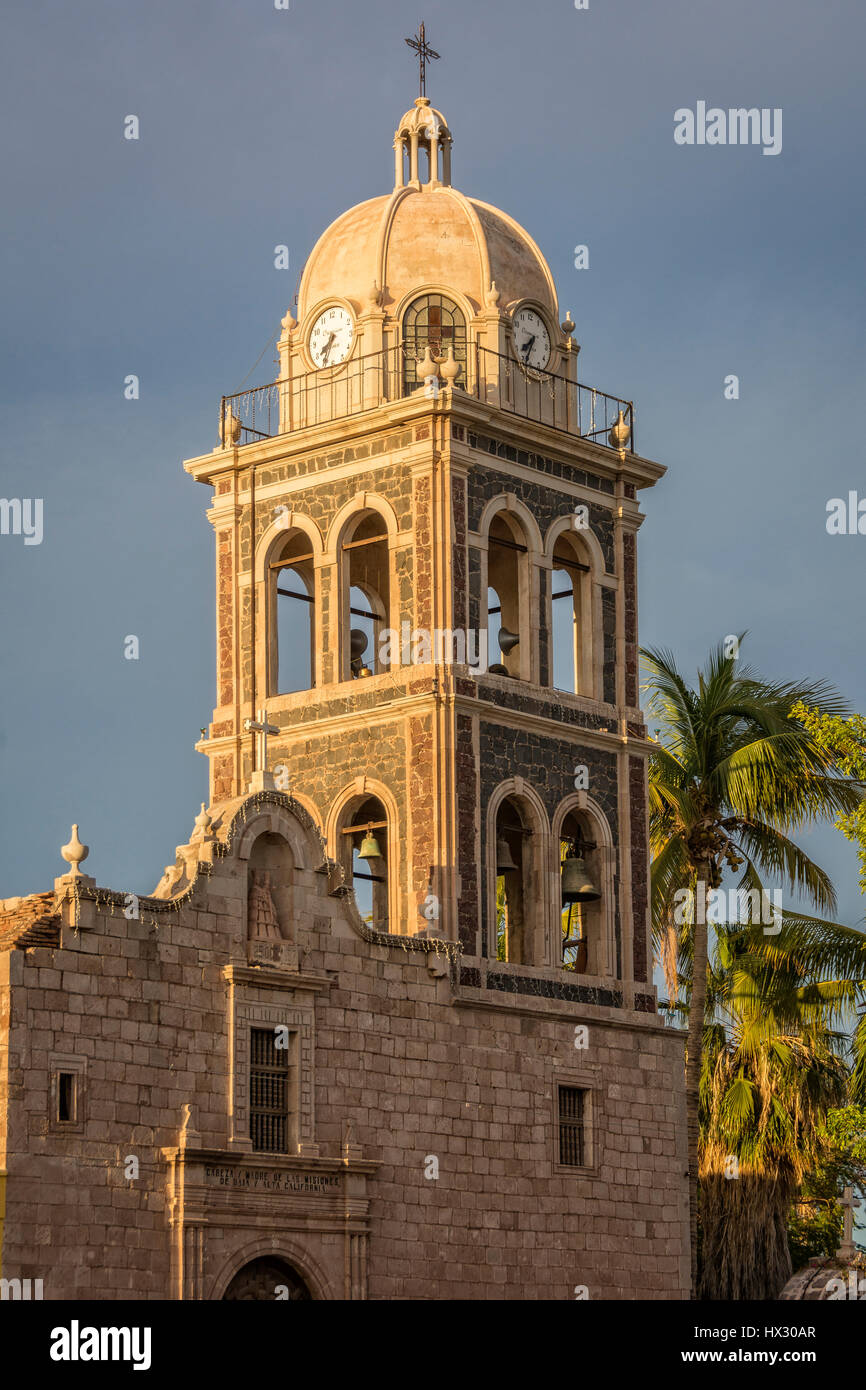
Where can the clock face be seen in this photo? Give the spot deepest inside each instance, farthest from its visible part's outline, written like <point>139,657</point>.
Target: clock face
<point>331,337</point>
<point>531,339</point>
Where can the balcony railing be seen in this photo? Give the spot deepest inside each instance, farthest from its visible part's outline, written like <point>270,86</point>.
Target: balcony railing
<point>333,393</point>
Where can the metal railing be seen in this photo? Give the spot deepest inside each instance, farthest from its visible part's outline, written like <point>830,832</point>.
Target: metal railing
<point>550,399</point>
<point>363,383</point>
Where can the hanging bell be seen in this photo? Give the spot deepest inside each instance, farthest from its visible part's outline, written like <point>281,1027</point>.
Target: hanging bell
<point>507,640</point>
<point>357,643</point>
<point>369,847</point>
<point>357,647</point>
<point>577,886</point>
<point>504,861</point>
<point>497,669</point>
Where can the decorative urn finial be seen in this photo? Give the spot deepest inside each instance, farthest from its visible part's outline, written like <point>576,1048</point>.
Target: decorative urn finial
<point>620,434</point>
<point>230,428</point>
<point>74,853</point>
<point>450,367</point>
<point>202,824</point>
<point>428,366</point>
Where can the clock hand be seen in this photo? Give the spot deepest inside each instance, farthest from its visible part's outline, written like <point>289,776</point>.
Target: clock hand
<point>328,345</point>
<point>527,347</point>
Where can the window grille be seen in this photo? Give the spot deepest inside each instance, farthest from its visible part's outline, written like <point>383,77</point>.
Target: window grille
<point>572,1146</point>
<point>435,322</point>
<point>270,1077</point>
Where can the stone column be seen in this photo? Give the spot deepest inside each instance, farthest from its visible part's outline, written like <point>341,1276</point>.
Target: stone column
<point>413,157</point>
<point>434,158</point>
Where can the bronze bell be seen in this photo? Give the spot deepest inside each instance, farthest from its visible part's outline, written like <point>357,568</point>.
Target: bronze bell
<point>369,847</point>
<point>357,642</point>
<point>507,640</point>
<point>504,862</point>
<point>497,669</point>
<point>577,886</point>
<point>357,647</point>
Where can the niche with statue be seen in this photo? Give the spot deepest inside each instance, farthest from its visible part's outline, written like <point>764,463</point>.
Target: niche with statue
<point>270,925</point>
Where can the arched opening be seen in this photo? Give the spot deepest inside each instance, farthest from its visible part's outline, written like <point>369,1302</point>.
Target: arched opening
<point>293,662</point>
<point>363,851</point>
<point>581,910</point>
<point>270,871</point>
<point>267,1279</point>
<point>507,597</point>
<point>433,322</point>
<point>366,575</point>
<point>571,620</point>
<point>515,904</point>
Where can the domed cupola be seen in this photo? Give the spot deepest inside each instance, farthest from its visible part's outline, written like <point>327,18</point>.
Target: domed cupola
<point>424,137</point>
<point>422,267</point>
<point>426,233</point>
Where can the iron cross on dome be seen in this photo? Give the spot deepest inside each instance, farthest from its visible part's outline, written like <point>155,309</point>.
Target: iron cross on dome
<point>425,53</point>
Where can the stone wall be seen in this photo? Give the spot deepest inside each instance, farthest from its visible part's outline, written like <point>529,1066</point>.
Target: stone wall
<point>419,1064</point>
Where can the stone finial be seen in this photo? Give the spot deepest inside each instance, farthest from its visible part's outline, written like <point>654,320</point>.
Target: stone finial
<point>491,297</point>
<point>428,366</point>
<point>74,853</point>
<point>230,429</point>
<point>619,434</point>
<point>289,323</point>
<point>450,367</point>
<point>568,324</point>
<point>189,1137</point>
<point>203,825</point>
<point>375,295</point>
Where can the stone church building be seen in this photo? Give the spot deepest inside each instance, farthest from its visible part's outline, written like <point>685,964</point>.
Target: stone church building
<point>386,1028</point>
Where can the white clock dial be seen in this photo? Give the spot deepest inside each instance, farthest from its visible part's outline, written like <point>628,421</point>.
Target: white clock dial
<point>531,339</point>
<point>331,337</point>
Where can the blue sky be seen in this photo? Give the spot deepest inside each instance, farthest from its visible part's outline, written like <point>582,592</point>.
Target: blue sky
<point>258,127</point>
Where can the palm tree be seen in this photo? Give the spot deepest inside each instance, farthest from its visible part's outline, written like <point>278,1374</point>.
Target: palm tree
<point>731,774</point>
<point>775,1060</point>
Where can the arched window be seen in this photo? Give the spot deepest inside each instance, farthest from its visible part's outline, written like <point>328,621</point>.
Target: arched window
<point>507,598</point>
<point>435,322</point>
<point>571,622</point>
<point>581,912</point>
<point>513,884</point>
<point>366,579</point>
<point>363,851</point>
<point>293,655</point>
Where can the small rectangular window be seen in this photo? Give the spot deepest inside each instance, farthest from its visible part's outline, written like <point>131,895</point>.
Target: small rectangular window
<point>572,1136</point>
<point>270,1091</point>
<point>66,1097</point>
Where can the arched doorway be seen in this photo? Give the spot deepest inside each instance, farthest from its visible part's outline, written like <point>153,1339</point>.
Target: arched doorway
<point>267,1279</point>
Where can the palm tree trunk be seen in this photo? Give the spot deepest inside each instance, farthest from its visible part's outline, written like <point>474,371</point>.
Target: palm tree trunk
<point>744,1231</point>
<point>693,1061</point>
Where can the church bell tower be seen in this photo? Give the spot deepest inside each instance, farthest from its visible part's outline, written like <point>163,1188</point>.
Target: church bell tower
<point>427,597</point>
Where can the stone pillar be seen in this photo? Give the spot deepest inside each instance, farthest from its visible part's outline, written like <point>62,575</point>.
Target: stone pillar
<point>413,157</point>
<point>434,158</point>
